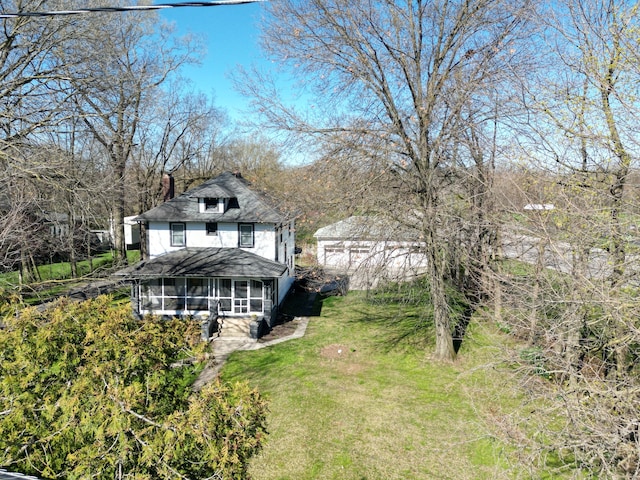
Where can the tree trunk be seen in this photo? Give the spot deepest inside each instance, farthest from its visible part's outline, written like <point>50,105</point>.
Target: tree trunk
<point>34,268</point>
<point>572,348</point>
<point>73,263</point>
<point>144,246</point>
<point>70,245</point>
<point>118,210</point>
<point>444,337</point>
<point>535,295</point>
<point>89,257</point>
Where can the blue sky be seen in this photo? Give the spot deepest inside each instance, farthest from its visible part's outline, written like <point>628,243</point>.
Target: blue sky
<point>232,38</point>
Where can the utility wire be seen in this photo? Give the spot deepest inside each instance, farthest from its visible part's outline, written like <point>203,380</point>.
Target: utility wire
<point>159,6</point>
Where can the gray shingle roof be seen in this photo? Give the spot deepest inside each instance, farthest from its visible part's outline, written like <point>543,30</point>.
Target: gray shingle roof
<point>366,228</point>
<point>206,262</point>
<point>253,207</point>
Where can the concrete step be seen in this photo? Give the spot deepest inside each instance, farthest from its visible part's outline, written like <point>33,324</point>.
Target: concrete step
<point>236,327</point>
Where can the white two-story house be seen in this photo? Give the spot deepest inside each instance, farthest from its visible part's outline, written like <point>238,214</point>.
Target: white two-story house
<point>220,248</point>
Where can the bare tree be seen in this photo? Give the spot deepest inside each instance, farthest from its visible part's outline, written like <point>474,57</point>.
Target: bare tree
<point>179,129</point>
<point>391,82</point>
<point>137,55</point>
<point>27,69</point>
<point>592,107</point>
<point>581,146</point>
<point>27,72</point>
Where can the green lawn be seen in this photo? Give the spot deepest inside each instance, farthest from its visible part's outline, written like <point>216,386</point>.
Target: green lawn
<point>57,279</point>
<point>360,398</point>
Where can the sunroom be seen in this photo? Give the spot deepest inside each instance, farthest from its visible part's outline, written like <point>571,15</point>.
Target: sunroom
<point>202,296</point>
<point>204,281</point>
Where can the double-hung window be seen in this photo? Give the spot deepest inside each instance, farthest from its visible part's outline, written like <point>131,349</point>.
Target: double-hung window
<point>178,235</point>
<point>246,235</point>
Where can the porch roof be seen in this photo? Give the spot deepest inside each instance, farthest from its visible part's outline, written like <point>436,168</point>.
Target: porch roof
<point>206,262</point>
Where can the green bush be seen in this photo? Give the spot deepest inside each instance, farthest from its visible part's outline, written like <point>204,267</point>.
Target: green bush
<point>86,390</point>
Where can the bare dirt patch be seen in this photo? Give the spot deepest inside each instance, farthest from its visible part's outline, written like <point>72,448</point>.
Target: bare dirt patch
<point>342,358</point>
<point>281,330</point>
<point>336,351</point>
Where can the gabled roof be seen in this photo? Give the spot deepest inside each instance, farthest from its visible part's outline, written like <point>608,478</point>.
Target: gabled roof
<point>366,228</point>
<point>206,262</point>
<point>252,206</point>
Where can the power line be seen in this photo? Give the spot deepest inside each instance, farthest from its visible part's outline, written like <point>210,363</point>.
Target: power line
<point>159,6</point>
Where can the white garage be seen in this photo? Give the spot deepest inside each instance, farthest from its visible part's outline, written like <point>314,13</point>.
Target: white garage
<point>370,246</point>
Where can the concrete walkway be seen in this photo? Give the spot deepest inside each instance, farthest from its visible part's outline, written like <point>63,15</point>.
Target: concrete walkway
<point>224,346</point>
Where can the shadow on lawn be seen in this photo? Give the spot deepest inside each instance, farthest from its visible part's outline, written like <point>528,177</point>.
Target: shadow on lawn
<point>403,316</point>
<point>298,304</point>
<point>302,304</point>
<point>414,330</point>
<point>397,331</point>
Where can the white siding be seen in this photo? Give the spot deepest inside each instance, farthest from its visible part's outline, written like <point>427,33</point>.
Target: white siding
<point>352,254</point>
<point>284,286</point>
<point>131,231</point>
<point>286,247</point>
<point>264,241</point>
<point>159,236</point>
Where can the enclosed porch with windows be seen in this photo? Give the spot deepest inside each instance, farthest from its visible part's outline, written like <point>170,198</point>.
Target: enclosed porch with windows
<point>206,281</point>
<point>204,296</point>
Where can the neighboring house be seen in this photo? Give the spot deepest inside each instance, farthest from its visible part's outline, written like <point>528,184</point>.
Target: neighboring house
<point>131,233</point>
<point>60,227</point>
<point>58,223</point>
<point>131,229</point>
<point>220,248</point>
<point>371,248</point>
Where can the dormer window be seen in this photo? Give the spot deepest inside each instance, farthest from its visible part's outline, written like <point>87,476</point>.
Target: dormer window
<point>211,204</point>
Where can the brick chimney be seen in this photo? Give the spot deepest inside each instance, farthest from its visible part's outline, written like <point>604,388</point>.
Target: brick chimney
<point>168,187</point>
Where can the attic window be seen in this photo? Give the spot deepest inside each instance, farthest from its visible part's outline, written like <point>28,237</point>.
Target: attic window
<point>211,204</point>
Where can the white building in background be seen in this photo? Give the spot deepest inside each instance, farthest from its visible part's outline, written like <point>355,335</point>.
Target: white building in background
<point>371,248</point>
<point>131,233</point>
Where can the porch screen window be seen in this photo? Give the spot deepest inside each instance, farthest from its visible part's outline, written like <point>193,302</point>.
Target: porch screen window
<point>174,294</point>
<point>152,294</point>
<point>197,296</point>
<point>197,293</point>
<point>178,235</point>
<point>224,294</point>
<point>255,296</point>
<point>246,234</point>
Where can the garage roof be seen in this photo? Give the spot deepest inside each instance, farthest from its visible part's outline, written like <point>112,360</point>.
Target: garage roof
<point>366,228</point>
